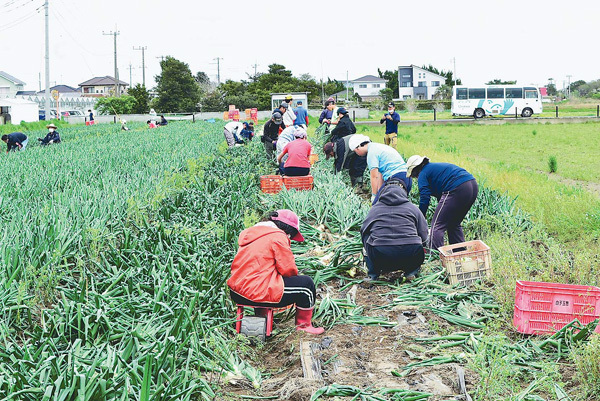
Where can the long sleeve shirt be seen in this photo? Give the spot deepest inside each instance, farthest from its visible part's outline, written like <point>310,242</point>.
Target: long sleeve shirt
<point>391,126</point>
<point>15,140</point>
<point>437,178</point>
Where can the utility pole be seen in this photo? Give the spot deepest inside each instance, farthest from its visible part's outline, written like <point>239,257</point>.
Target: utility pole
<point>115,33</point>
<point>218,69</point>
<point>143,49</point>
<point>255,65</point>
<point>47,57</point>
<point>346,86</point>
<point>130,74</point>
<point>454,68</point>
<point>569,86</point>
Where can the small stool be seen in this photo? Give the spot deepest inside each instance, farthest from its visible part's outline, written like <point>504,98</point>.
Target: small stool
<point>268,315</point>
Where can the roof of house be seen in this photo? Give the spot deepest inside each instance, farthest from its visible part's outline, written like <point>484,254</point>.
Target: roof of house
<point>102,81</point>
<point>422,69</point>
<point>25,93</point>
<point>11,78</point>
<point>368,78</point>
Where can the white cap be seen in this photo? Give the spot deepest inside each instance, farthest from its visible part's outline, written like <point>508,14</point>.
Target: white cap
<point>356,140</point>
<point>414,161</point>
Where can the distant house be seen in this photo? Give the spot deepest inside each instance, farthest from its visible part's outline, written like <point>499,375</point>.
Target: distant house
<point>102,86</point>
<point>417,83</point>
<point>368,87</point>
<point>9,85</point>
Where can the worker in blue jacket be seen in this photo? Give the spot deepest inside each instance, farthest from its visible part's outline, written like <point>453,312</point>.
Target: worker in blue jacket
<point>455,189</point>
<point>391,119</point>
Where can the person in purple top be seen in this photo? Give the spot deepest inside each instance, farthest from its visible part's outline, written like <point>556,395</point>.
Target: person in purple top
<point>455,189</point>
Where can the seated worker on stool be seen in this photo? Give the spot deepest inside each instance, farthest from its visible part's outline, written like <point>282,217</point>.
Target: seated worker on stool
<point>299,150</point>
<point>393,233</point>
<point>264,272</point>
<point>51,137</point>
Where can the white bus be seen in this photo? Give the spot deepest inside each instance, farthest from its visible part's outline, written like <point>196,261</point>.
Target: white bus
<point>494,100</point>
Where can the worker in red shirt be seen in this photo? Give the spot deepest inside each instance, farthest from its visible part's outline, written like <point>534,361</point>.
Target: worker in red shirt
<point>264,272</point>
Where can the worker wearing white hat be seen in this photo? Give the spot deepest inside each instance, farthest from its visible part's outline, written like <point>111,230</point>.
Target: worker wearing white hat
<point>455,189</point>
<point>385,164</point>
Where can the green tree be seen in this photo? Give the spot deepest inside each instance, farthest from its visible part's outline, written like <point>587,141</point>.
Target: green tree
<point>500,82</point>
<point>213,101</point>
<point>177,89</point>
<point>443,92</point>
<point>386,94</point>
<point>551,89</point>
<point>391,81</point>
<point>142,99</point>
<point>116,105</point>
<point>575,85</point>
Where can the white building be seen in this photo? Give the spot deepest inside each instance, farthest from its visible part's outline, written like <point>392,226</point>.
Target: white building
<point>368,87</point>
<point>416,83</point>
<point>17,110</point>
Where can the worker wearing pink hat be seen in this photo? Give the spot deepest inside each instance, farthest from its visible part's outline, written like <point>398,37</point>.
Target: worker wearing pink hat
<point>264,272</point>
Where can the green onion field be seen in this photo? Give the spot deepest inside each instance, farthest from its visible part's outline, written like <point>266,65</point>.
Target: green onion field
<point>115,248</point>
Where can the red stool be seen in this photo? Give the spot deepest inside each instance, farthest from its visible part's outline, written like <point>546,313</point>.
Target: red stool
<point>261,324</point>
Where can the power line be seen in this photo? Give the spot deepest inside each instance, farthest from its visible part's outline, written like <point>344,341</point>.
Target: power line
<point>20,20</point>
<point>218,63</point>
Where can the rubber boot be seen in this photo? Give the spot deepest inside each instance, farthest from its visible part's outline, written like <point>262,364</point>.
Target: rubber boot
<point>303,321</point>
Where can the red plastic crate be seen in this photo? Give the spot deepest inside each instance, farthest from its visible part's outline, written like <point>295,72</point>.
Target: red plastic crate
<point>544,308</point>
<point>301,183</point>
<point>271,184</point>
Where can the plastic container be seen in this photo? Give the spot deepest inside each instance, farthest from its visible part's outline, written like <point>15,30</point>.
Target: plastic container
<point>466,262</point>
<point>313,158</point>
<point>236,115</point>
<point>225,115</point>
<point>271,184</point>
<point>544,308</point>
<point>300,183</point>
<point>254,114</point>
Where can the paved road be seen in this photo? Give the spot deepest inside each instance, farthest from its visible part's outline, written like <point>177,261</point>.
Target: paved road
<point>492,121</point>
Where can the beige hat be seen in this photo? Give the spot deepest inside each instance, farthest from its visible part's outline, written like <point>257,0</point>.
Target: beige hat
<point>413,162</point>
<point>51,126</point>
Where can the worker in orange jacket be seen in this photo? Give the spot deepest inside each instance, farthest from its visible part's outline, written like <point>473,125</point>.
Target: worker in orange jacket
<point>264,272</point>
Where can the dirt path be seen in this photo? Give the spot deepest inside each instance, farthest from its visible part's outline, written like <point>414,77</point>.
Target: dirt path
<point>358,355</point>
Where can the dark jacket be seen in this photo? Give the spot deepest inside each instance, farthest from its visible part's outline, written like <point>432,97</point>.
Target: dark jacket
<point>344,127</point>
<point>270,131</point>
<point>436,178</point>
<point>51,136</point>
<point>343,154</point>
<point>393,220</point>
<point>15,140</point>
<point>391,126</point>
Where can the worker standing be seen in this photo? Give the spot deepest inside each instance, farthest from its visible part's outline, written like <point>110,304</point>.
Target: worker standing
<point>286,136</point>
<point>288,115</point>
<point>455,189</point>
<point>384,163</point>
<point>391,120</point>
<point>344,126</point>
<point>301,115</point>
<point>264,272</point>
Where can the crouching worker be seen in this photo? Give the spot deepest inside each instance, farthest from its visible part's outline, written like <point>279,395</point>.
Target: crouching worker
<point>51,137</point>
<point>299,150</point>
<point>264,272</point>
<point>230,131</point>
<point>346,159</point>
<point>393,233</point>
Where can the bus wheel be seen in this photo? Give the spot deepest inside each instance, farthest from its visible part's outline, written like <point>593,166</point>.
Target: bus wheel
<point>527,112</point>
<point>479,113</point>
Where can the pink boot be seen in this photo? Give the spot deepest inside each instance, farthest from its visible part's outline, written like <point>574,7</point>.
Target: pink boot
<point>303,321</point>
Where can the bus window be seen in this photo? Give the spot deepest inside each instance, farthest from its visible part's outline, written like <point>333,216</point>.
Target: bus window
<point>495,93</point>
<point>478,93</point>
<point>461,93</point>
<point>531,94</point>
<point>514,93</point>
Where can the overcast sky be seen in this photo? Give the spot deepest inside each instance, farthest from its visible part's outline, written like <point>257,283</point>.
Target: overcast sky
<point>526,40</point>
